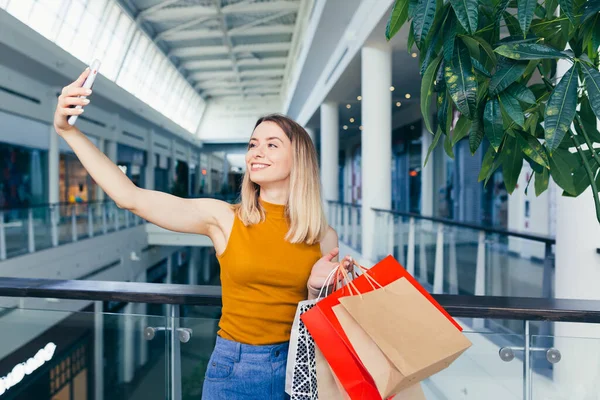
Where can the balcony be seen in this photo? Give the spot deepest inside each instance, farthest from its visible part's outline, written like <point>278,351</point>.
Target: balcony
<point>152,341</point>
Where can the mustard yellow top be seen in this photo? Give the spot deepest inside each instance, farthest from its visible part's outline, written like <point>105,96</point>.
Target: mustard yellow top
<point>263,278</point>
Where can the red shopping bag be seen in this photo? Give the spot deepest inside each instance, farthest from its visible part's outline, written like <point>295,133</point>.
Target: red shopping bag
<point>328,334</point>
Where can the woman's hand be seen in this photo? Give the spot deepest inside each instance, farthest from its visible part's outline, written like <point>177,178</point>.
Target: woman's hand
<point>321,271</point>
<point>70,97</point>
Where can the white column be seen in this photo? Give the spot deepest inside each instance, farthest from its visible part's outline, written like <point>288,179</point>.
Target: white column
<point>376,139</point>
<point>128,342</point>
<point>311,133</point>
<point>193,266</point>
<point>330,132</point>
<point>53,167</point>
<point>111,150</point>
<point>426,174</point>
<point>150,161</point>
<point>142,310</point>
<point>172,166</point>
<point>98,351</point>
<point>577,273</point>
<point>53,152</point>
<point>100,196</point>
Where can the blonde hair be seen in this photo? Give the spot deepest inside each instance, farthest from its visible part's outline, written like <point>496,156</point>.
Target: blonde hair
<point>304,207</point>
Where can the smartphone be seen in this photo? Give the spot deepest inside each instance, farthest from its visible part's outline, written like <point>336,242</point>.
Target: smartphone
<point>89,81</point>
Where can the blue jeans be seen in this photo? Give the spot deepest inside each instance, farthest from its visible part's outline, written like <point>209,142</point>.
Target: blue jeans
<point>242,372</point>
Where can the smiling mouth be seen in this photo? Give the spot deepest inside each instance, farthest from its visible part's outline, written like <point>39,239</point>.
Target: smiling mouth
<point>258,167</point>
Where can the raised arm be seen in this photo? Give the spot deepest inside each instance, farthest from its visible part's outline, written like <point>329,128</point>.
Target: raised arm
<point>199,216</point>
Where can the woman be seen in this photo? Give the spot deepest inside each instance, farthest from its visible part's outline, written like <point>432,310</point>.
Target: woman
<point>274,247</point>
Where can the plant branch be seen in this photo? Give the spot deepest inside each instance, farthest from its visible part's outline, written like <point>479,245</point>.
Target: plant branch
<point>590,174</point>
<point>587,138</point>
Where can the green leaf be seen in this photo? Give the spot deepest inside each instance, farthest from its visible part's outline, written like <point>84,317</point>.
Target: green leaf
<point>592,84</point>
<point>467,12</point>
<point>512,162</point>
<point>551,6</point>
<point>512,108</point>
<point>566,6</point>
<point>442,112</point>
<point>487,165</point>
<point>410,42</point>
<point>595,42</point>
<point>560,110</point>
<point>561,171</point>
<point>492,123</point>
<point>461,129</point>
<point>521,93</point>
<point>475,135</point>
<point>512,24</point>
<point>423,18</point>
<point>533,149</point>
<point>541,181</point>
<point>499,10</point>
<point>427,91</point>
<point>525,12</point>
<point>591,8</point>
<point>412,6</point>
<point>529,51</point>
<point>477,41</point>
<point>449,37</point>
<point>448,147</point>
<point>434,143</point>
<point>429,56</point>
<point>397,18</point>
<point>507,74</point>
<point>480,68</point>
<point>461,81</point>
<point>581,180</point>
<point>588,119</point>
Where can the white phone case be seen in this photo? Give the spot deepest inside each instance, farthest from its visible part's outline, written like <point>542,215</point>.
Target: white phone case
<point>89,81</point>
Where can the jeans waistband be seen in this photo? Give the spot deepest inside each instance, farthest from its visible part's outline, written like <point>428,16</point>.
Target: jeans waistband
<point>238,351</point>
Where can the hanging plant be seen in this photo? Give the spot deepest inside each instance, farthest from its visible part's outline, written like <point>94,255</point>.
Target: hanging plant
<point>494,63</point>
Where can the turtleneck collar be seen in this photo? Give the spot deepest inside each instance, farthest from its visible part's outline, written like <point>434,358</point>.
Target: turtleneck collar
<point>273,210</point>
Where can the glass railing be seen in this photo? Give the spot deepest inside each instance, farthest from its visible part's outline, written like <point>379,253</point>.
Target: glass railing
<point>345,218</point>
<point>458,258</point>
<point>153,341</point>
<point>27,230</point>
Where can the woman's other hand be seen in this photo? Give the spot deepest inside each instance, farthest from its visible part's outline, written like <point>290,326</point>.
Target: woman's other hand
<point>322,269</point>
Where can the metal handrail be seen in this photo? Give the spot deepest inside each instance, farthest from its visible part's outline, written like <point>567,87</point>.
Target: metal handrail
<point>492,307</point>
<point>449,222</point>
<point>58,204</point>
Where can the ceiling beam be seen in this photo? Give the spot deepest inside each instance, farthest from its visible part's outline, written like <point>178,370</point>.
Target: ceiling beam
<point>227,40</point>
<point>262,7</point>
<point>230,84</point>
<point>165,35</point>
<point>185,13</point>
<point>246,27</point>
<point>197,51</point>
<point>179,33</point>
<point>258,47</point>
<point>207,65</point>
<point>154,9</point>
<point>263,72</point>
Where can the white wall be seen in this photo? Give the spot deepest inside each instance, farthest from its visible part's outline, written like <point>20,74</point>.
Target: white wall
<point>226,121</point>
<point>538,221</point>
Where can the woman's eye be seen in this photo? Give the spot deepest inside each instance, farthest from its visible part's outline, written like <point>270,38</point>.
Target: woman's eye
<point>251,145</point>
<point>273,145</point>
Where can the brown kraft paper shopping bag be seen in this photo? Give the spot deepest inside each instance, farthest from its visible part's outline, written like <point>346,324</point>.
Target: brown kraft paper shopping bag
<point>408,329</point>
<point>385,374</point>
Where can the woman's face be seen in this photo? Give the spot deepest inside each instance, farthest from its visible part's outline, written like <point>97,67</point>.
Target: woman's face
<point>269,158</point>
